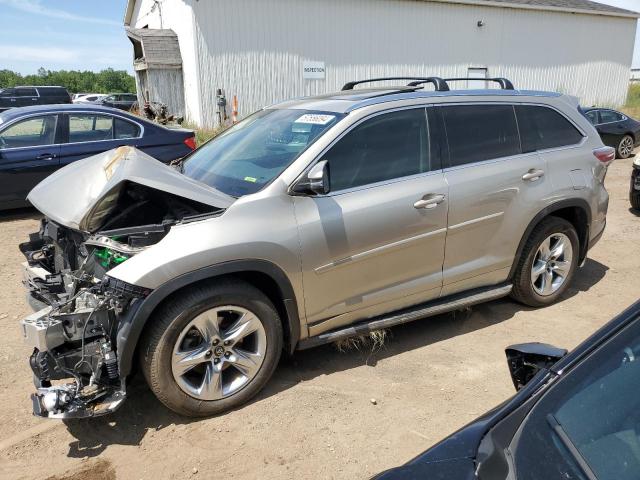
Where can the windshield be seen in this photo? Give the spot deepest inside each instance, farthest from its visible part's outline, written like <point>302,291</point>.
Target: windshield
<point>249,155</point>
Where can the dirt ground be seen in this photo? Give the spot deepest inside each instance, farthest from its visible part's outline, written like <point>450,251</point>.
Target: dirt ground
<point>315,420</point>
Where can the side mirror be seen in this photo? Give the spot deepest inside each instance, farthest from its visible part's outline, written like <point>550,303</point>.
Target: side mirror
<point>527,359</point>
<point>317,180</point>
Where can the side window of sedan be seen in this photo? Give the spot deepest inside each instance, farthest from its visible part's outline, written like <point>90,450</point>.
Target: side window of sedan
<point>609,116</point>
<point>32,132</point>
<point>90,128</point>
<point>126,129</point>
<point>588,424</point>
<point>592,116</point>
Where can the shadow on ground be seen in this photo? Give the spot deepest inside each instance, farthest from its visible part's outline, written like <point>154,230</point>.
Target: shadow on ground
<point>143,412</point>
<point>26,213</point>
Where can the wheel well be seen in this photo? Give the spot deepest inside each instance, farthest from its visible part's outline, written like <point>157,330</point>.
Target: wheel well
<point>271,289</point>
<point>286,308</point>
<point>577,217</point>
<point>575,214</point>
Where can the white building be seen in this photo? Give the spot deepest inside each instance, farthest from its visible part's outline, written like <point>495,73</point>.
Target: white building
<point>265,51</point>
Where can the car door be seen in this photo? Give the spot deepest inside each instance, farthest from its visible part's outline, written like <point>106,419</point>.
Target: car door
<point>109,101</point>
<point>26,97</point>
<point>494,192</point>
<point>8,98</point>
<point>87,134</point>
<point>28,153</point>
<point>375,243</point>
<point>611,127</point>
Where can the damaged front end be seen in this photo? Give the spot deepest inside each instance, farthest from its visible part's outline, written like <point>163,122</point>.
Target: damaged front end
<point>73,331</point>
<point>79,308</point>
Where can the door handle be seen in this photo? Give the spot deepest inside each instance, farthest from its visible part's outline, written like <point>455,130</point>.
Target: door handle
<point>533,175</point>
<point>46,156</point>
<point>430,200</point>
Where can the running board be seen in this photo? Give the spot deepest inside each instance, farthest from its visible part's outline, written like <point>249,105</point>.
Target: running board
<point>436,307</point>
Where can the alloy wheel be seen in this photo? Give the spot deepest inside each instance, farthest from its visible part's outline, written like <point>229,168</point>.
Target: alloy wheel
<point>219,352</point>
<point>551,264</point>
<point>626,146</point>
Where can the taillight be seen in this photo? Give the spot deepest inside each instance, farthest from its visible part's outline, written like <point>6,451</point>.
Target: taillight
<point>605,154</point>
<point>190,142</point>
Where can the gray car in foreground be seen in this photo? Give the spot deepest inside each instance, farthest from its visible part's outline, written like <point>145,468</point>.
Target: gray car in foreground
<point>308,222</point>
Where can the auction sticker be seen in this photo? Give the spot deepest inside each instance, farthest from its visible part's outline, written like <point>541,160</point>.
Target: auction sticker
<point>315,118</point>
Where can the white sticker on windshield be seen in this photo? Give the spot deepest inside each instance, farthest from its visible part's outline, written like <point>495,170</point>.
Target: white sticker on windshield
<point>315,118</point>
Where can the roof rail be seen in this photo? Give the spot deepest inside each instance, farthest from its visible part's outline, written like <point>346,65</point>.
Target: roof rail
<point>504,83</point>
<point>439,84</point>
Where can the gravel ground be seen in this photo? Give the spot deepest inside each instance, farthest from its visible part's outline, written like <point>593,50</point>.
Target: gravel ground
<point>315,420</point>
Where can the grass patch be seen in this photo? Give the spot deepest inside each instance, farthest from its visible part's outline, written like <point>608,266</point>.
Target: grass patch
<point>632,105</point>
<point>203,135</point>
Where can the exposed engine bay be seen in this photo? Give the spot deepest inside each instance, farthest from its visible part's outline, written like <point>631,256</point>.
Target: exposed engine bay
<point>78,306</point>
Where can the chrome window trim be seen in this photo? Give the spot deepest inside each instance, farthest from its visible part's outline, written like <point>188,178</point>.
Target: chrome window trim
<point>368,185</point>
<point>15,120</point>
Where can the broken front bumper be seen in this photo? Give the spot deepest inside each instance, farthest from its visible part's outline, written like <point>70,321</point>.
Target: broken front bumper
<point>72,340</point>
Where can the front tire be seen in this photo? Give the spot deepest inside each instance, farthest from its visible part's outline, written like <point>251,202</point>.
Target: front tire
<point>625,147</point>
<point>634,198</point>
<point>211,348</point>
<point>547,263</point>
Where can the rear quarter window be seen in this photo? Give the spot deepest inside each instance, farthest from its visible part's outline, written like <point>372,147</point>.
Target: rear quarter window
<point>53,92</point>
<point>542,128</point>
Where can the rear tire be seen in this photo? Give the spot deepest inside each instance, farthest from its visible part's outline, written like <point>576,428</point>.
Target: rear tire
<point>547,263</point>
<point>625,147</point>
<point>634,198</point>
<point>228,322</point>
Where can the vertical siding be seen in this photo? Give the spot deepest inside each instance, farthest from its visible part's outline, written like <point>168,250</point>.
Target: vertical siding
<point>255,48</point>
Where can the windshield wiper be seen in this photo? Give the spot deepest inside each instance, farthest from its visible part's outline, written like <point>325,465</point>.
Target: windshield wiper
<point>571,448</point>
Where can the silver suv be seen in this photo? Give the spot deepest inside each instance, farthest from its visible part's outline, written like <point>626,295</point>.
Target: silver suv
<point>310,221</point>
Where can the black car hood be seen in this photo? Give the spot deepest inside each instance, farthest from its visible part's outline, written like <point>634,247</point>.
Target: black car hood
<point>454,469</point>
<point>455,457</point>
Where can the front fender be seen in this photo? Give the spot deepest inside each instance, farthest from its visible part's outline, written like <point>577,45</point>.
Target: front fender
<point>133,321</point>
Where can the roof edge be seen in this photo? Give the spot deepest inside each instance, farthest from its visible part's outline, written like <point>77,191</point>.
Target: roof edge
<point>490,3</point>
<point>128,13</point>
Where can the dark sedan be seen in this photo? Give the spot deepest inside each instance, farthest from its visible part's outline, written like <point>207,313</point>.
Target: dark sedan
<point>121,101</point>
<point>36,141</point>
<point>575,416</point>
<point>616,129</point>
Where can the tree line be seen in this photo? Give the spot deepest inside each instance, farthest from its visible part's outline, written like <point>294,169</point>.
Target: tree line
<point>75,81</point>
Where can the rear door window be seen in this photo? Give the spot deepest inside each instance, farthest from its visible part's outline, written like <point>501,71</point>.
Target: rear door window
<point>32,132</point>
<point>609,116</point>
<point>388,146</point>
<point>480,132</point>
<point>90,128</point>
<point>26,92</point>
<point>592,116</point>
<point>542,128</point>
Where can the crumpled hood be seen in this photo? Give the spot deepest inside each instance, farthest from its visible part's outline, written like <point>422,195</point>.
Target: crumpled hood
<point>71,195</point>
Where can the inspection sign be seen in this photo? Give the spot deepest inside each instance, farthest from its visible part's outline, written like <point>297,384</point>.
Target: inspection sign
<point>313,70</point>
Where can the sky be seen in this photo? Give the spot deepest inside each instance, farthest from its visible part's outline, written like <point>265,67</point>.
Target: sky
<point>63,34</point>
<point>89,34</point>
